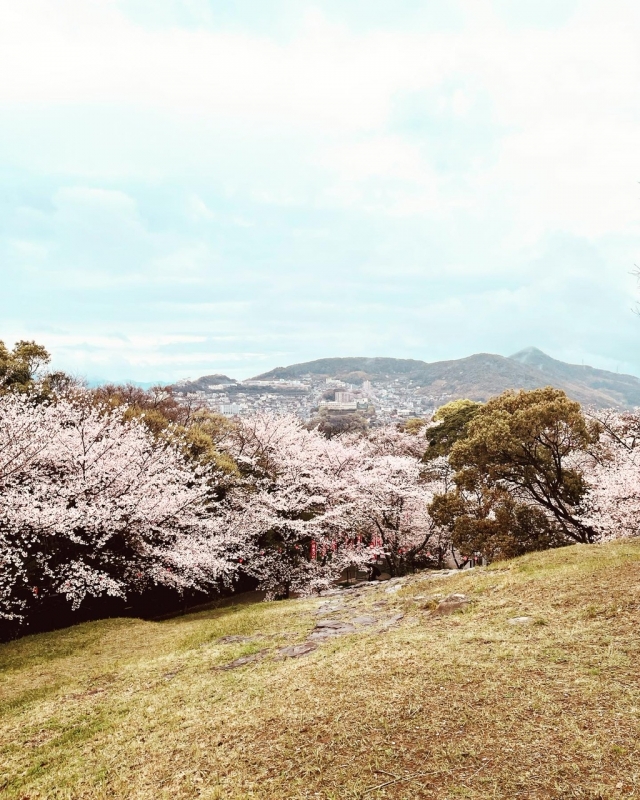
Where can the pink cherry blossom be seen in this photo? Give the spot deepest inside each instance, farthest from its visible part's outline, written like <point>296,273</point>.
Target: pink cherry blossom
<point>91,504</point>
<point>612,474</point>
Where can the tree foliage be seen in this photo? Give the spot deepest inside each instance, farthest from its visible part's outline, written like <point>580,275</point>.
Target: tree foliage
<point>189,424</point>
<point>20,367</point>
<point>518,482</point>
<point>91,504</point>
<point>451,423</point>
<point>524,442</point>
<point>335,424</point>
<point>112,490</point>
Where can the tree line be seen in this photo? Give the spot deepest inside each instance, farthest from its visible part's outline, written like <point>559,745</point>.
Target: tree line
<point>116,491</point>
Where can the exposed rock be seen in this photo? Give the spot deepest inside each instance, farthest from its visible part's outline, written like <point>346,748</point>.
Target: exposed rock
<point>331,623</point>
<point>234,639</point>
<point>451,603</point>
<point>243,660</point>
<point>296,650</point>
<point>364,620</point>
<point>519,620</point>
<point>389,623</point>
<point>330,608</point>
<point>358,589</point>
<point>327,628</point>
<point>443,573</point>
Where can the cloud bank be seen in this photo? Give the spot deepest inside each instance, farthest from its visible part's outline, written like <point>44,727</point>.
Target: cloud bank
<point>189,188</point>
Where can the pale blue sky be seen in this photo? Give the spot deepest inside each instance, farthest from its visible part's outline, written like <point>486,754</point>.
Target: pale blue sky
<point>195,186</point>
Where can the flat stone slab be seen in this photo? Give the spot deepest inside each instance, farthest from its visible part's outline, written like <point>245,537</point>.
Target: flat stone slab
<point>235,639</point>
<point>364,620</point>
<point>243,661</point>
<point>323,633</point>
<point>327,628</point>
<point>454,602</point>
<point>329,609</point>
<point>335,624</point>
<point>296,650</point>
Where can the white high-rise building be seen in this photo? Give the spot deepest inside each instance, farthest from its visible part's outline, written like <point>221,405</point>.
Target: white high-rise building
<point>344,397</point>
<point>229,409</point>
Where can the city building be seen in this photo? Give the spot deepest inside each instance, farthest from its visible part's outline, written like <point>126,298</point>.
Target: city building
<point>344,397</point>
<point>229,409</point>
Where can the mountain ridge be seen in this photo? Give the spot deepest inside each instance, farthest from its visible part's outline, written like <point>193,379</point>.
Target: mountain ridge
<point>479,376</point>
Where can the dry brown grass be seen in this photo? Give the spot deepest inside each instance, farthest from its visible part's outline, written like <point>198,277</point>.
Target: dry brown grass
<point>464,706</point>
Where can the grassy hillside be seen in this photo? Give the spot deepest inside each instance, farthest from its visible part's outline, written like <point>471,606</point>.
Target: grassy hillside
<point>468,705</point>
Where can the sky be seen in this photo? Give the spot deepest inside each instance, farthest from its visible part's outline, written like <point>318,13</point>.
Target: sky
<point>200,186</point>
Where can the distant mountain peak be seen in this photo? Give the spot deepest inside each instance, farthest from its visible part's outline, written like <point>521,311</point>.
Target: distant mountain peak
<point>203,383</point>
<point>528,354</point>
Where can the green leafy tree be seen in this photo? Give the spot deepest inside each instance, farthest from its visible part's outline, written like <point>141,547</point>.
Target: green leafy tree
<point>485,519</point>
<point>524,444</point>
<point>414,425</point>
<point>20,367</point>
<point>453,420</point>
<point>198,431</point>
<point>205,440</point>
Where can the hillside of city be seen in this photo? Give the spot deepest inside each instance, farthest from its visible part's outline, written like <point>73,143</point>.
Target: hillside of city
<point>379,391</point>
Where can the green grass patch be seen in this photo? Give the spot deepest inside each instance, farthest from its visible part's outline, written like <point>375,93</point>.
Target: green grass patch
<point>468,705</point>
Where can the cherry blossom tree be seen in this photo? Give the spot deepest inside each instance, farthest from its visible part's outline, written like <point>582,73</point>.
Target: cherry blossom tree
<point>292,501</point>
<point>389,440</point>
<point>316,506</point>
<point>390,497</point>
<point>92,504</point>
<point>611,471</point>
<point>23,434</point>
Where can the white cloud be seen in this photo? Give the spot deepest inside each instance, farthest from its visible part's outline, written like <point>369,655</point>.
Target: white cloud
<point>564,101</point>
<point>225,181</point>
